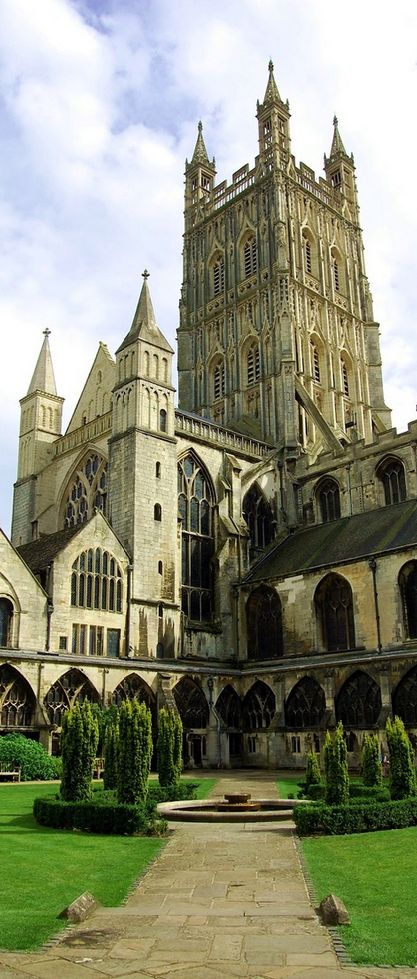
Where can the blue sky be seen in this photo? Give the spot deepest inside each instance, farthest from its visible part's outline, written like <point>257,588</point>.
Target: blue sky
<point>99,104</point>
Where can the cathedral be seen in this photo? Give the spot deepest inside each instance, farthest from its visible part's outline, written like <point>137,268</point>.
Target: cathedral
<point>248,558</point>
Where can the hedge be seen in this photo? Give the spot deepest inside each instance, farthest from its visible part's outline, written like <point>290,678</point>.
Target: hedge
<point>358,817</point>
<point>377,793</point>
<point>94,816</point>
<point>34,762</point>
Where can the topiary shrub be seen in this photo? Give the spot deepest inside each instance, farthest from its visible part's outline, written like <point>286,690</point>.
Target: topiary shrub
<point>401,755</point>
<point>371,764</point>
<point>313,774</point>
<point>135,752</point>
<point>336,767</point>
<point>79,741</point>
<point>111,753</point>
<point>35,764</point>
<point>169,747</point>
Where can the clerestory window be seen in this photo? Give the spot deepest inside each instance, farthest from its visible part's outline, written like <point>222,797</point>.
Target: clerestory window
<point>195,504</point>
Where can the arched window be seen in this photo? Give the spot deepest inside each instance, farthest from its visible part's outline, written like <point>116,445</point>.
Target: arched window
<point>218,275</point>
<point>162,420</point>
<point>252,364</point>
<point>191,703</point>
<point>195,503</point>
<point>336,270</point>
<point>334,605</point>
<point>157,512</point>
<point>315,364</point>
<point>250,256</point>
<point>134,688</point>
<point>259,518</point>
<point>87,491</point>
<point>97,581</point>
<point>218,380</point>
<point>229,708</point>
<point>407,581</point>
<point>404,698</point>
<point>264,624</point>
<point>358,703</point>
<point>258,707</point>
<point>392,475</point>
<point>72,688</point>
<point>328,498</point>
<point>308,252</point>
<point>6,619</point>
<point>345,378</point>
<point>17,700</point>
<point>306,704</point>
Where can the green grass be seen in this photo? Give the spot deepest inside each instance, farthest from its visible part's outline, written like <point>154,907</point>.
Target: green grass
<point>374,874</point>
<point>204,786</point>
<point>288,784</point>
<point>43,870</point>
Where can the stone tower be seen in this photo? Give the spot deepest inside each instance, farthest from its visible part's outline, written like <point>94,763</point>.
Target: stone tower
<point>277,337</point>
<point>40,425</point>
<point>143,477</point>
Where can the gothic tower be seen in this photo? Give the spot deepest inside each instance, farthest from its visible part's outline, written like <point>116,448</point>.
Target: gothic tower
<point>277,337</point>
<point>40,425</point>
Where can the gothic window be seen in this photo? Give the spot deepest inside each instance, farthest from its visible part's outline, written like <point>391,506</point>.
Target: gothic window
<point>328,497</point>
<point>191,704</point>
<point>391,473</point>
<point>358,703</point>
<point>250,256</point>
<point>306,704</point>
<point>195,503</point>
<point>162,420</point>
<point>308,252</point>
<point>264,624</point>
<point>315,364</point>
<point>158,470</point>
<point>335,270</point>
<point>334,604</point>
<point>258,707</point>
<point>17,700</point>
<point>218,380</point>
<point>407,580</point>
<point>134,688</point>
<point>404,699</point>
<point>259,519</point>
<point>96,581</point>
<point>252,364</point>
<point>345,378</point>
<point>87,491</point>
<point>229,708</point>
<point>218,276</point>
<point>72,688</point>
<point>6,619</point>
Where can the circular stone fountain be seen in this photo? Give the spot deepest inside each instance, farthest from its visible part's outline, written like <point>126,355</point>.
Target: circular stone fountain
<point>232,809</point>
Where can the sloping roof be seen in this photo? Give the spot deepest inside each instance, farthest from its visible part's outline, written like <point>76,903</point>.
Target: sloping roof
<point>348,539</point>
<point>38,554</point>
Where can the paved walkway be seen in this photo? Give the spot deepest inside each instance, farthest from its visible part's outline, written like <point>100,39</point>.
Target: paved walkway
<point>221,901</point>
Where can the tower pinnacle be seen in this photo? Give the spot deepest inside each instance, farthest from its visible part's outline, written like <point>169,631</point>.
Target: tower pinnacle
<point>43,378</point>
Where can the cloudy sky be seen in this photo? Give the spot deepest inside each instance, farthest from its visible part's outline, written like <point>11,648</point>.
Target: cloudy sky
<point>99,104</point>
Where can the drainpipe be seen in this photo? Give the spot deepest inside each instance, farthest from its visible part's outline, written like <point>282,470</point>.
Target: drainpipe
<point>373,566</point>
<point>128,601</point>
<point>49,611</point>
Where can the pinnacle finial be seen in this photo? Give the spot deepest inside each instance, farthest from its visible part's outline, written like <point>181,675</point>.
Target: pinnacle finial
<point>145,274</point>
<point>335,120</point>
<point>200,127</point>
<point>46,332</point>
<point>270,65</point>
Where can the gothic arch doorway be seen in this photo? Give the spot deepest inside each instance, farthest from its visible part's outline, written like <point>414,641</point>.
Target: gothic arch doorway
<point>193,709</point>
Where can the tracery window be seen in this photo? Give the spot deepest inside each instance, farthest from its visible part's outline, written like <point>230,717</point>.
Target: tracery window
<point>191,703</point>
<point>335,270</point>
<point>195,503</point>
<point>404,699</point>
<point>358,703</point>
<point>72,688</point>
<point>17,700</point>
<point>6,619</point>
<point>328,497</point>
<point>258,707</point>
<point>253,364</point>
<point>87,491</point>
<point>218,380</point>
<point>134,688</point>
<point>250,256</point>
<point>229,708</point>
<point>259,518</point>
<point>407,580</point>
<point>97,581</point>
<point>392,475</point>
<point>218,276</point>
<point>345,378</point>
<point>264,624</point>
<point>315,364</point>
<point>306,704</point>
<point>334,604</point>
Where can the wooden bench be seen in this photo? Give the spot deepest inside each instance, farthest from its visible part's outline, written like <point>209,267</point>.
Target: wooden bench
<point>8,774</point>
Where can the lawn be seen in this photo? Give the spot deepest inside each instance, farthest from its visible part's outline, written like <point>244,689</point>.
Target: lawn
<point>374,874</point>
<point>43,869</point>
<point>288,784</point>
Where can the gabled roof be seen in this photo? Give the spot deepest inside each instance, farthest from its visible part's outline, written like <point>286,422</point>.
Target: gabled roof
<point>39,554</point>
<point>341,541</point>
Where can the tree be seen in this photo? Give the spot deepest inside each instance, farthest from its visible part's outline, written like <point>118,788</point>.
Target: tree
<point>401,756</point>
<point>169,747</point>
<point>135,751</point>
<point>371,763</point>
<point>110,753</point>
<point>336,767</point>
<point>313,774</point>
<point>79,741</point>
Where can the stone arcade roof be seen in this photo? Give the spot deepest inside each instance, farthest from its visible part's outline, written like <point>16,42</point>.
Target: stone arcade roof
<point>340,541</point>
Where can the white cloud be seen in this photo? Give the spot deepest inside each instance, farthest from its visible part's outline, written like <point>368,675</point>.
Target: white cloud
<point>99,106</point>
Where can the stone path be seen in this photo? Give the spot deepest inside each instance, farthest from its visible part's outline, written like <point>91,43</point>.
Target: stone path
<point>221,901</point>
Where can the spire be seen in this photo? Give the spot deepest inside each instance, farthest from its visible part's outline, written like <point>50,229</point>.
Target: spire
<point>144,326</point>
<point>337,144</point>
<point>43,376</point>
<point>271,93</point>
<point>200,152</point>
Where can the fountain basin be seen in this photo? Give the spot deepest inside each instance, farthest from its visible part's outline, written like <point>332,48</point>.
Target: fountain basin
<point>214,810</point>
